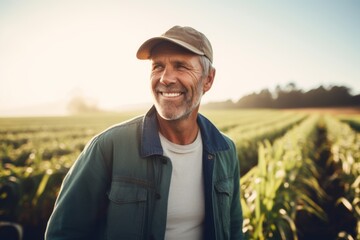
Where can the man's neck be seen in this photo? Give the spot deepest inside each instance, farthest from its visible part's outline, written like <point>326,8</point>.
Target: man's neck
<point>182,131</point>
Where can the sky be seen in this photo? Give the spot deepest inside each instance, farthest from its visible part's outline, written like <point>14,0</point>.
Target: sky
<point>51,51</point>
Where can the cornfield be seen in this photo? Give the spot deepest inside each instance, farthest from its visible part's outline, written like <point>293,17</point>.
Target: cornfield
<point>300,172</point>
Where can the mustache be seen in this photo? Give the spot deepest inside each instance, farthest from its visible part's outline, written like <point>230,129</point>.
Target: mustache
<point>169,89</point>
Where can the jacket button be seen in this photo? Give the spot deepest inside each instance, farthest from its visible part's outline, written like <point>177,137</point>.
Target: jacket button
<point>210,157</point>
<point>164,161</point>
<point>157,195</point>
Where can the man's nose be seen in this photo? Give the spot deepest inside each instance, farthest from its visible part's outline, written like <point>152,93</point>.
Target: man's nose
<point>168,77</point>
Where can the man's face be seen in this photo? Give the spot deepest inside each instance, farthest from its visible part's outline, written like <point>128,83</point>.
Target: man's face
<point>176,81</point>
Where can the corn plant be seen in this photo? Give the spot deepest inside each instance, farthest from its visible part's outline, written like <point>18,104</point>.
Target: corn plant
<point>345,145</point>
<point>247,142</point>
<point>281,184</point>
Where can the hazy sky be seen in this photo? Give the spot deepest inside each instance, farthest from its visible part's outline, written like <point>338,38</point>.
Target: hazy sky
<point>53,50</point>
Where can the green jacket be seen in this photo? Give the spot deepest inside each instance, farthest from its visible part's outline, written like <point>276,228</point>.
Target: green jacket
<point>118,187</point>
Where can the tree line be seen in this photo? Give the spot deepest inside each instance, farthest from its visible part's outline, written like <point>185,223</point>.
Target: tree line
<point>292,97</point>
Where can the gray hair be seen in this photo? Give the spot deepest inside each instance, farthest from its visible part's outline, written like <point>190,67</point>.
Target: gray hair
<point>206,65</point>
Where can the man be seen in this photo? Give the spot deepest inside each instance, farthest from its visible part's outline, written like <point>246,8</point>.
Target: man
<point>167,175</point>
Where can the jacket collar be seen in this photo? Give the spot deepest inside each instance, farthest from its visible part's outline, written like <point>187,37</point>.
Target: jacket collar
<point>213,141</point>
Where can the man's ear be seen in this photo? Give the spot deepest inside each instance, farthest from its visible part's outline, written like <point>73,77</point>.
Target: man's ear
<point>209,80</point>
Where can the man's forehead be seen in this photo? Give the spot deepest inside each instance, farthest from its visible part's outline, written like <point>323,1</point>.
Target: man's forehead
<point>190,60</point>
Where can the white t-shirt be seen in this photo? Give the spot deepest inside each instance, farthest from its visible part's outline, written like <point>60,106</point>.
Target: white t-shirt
<point>186,210</point>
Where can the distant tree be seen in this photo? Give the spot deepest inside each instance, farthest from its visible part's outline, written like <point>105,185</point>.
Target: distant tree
<point>316,97</point>
<point>219,105</point>
<point>265,99</point>
<point>340,95</point>
<point>355,101</point>
<point>292,97</point>
<point>287,97</point>
<point>290,87</point>
<point>248,101</point>
<point>332,97</point>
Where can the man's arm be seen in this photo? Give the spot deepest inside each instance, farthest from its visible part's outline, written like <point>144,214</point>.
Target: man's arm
<point>81,203</point>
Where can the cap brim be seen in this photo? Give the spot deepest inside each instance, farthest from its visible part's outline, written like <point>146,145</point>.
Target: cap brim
<point>144,51</point>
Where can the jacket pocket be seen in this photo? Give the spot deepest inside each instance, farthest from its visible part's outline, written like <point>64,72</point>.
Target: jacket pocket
<point>224,191</point>
<point>126,211</point>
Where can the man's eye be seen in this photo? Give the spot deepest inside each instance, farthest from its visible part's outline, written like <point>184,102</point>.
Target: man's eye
<point>181,66</point>
<point>157,67</point>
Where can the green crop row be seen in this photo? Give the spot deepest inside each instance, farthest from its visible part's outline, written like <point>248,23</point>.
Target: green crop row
<point>226,120</point>
<point>247,142</point>
<point>281,184</point>
<point>353,122</point>
<point>345,149</point>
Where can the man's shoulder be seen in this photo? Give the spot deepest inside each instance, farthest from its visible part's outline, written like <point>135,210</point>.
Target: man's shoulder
<point>121,128</point>
<point>212,127</point>
<point>217,139</point>
<point>227,138</point>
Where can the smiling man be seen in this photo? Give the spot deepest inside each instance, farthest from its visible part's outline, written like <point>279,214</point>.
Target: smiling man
<point>169,174</point>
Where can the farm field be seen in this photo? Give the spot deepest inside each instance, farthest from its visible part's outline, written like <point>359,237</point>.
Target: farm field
<point>300,170</point>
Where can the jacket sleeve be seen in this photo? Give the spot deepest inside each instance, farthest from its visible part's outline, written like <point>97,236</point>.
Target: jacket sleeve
<point>236,210</point>
<point>80,206</point>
